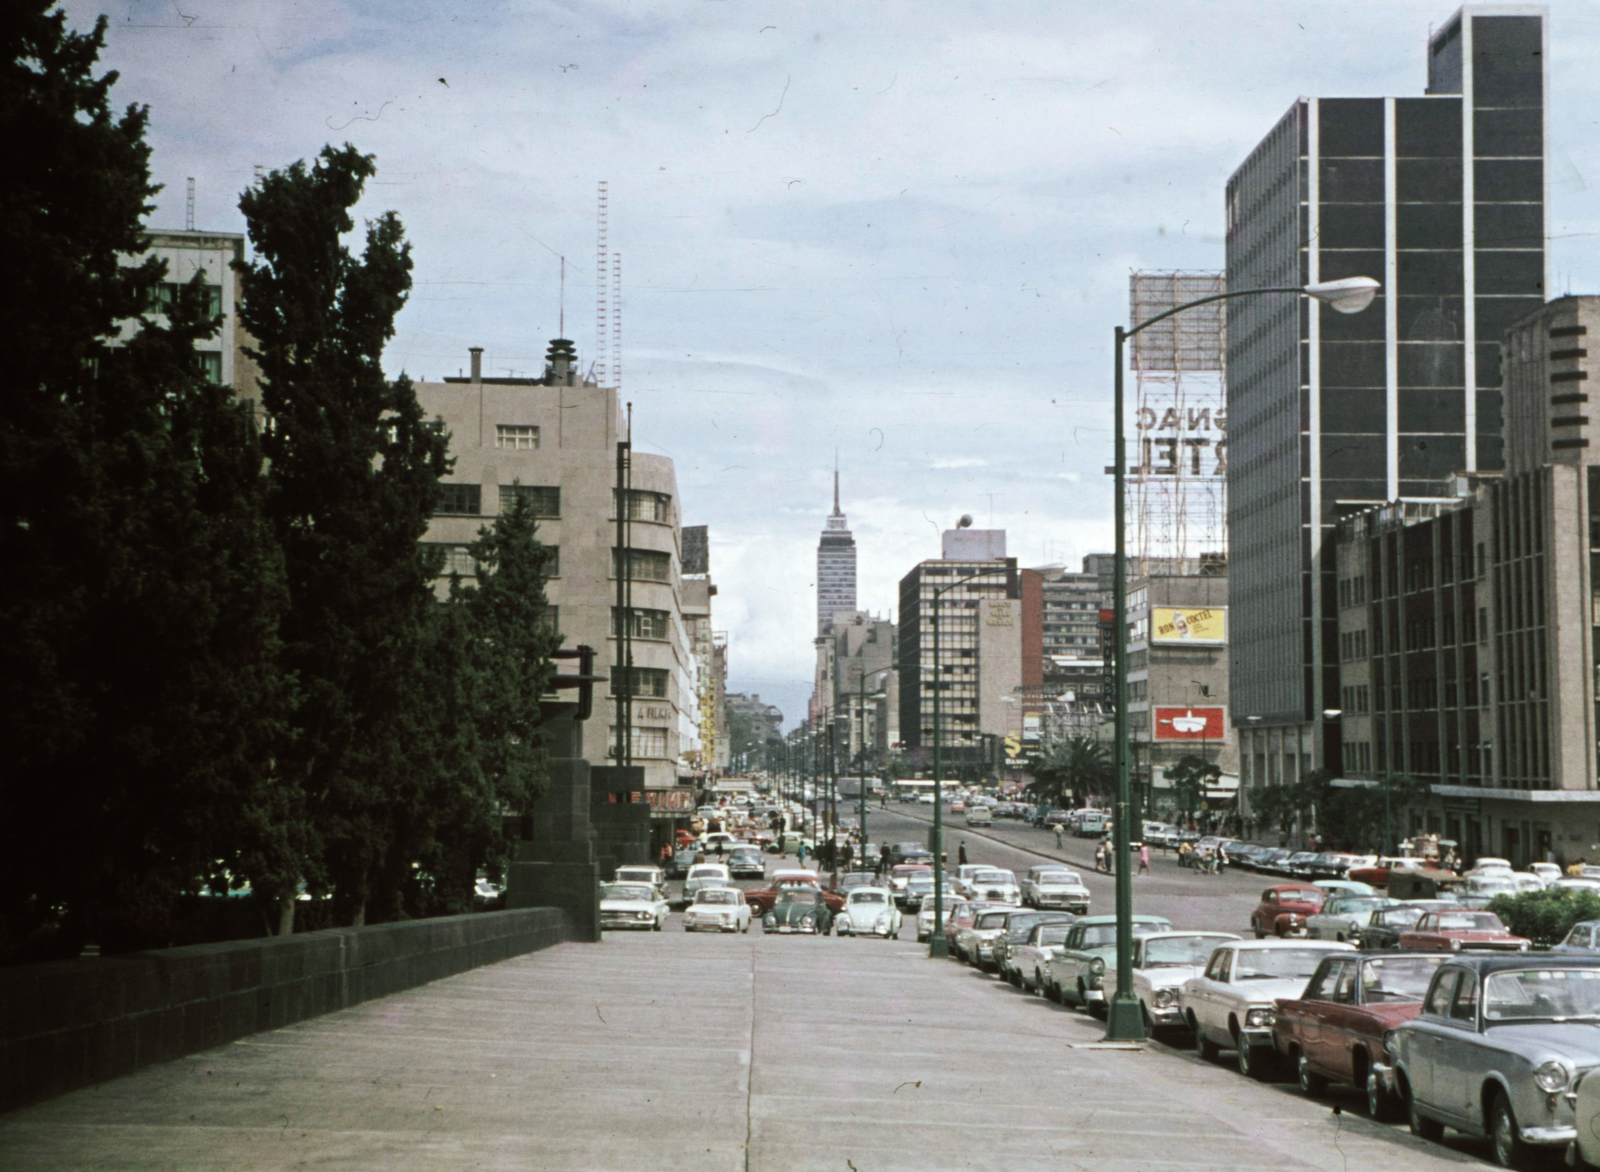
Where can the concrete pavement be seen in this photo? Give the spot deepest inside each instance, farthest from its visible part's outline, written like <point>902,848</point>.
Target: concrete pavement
<point>678,1051</point>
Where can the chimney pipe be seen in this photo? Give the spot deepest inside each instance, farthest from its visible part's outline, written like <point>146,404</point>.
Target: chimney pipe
<point>477,362</point>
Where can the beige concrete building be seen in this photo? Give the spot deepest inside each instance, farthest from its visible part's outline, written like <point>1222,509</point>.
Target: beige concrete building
<point>222,358</point>
<point>554,439</point>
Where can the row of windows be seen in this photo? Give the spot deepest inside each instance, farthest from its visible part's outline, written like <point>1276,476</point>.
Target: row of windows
<point>643,741</point>
<point>1353,591</point>
<point>466,500</point>
<point>647,624</point>
<point>644,565</point>
<point>648,682</point>
<point>458,559</point>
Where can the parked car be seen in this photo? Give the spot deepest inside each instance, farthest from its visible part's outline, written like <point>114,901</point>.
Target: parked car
<point>926,912</point>
<point>1051,885</point>
<point>1229,1005</point>
<point>850,880</point>
<point>1298,865</point>
<point>918,885</point>
<point>963,873</point>
<point>723,909</point>
<point>1548,873</point>
<point>994,885</point>
<point>1478,890</point>
<point>1019,925</point>
<point>979,816</point>
<point>1382,930</point>
<point>747,864</point>
<point>1162,962</point>
<point>1333,1032</point>
<point>1283,909</point>
<point>958,922</point>
<point>1343,917</point>
<point>1093,824</point>
<point>1028,959</point>
<point>654,876</point>
<point>1266,862</point>
<point>631,905</point>
<point>1584,939</point>
<point>1496,1049</point>
<point>1458,931</point>
<point>1075,974</point>
<point>705,875</point>
<point>909,852</point>
<point>900,878</point>
<point>977,938</point>
<point>1159,833</point>
<point>799,910</point>
<point>1345,887</point>
<point>682,859</point>
<point>868,911</point>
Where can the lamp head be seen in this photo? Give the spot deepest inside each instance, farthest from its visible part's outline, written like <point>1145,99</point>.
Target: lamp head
<point>965,522</point>
<point>1347,295</point>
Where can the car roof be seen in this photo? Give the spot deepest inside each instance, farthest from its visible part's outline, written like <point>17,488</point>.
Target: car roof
<point>1270,945</point>
<point>1113,920</point>
<point>1193,932</point>
<point>1500,964</point>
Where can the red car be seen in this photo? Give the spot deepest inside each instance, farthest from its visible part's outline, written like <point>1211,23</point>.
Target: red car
<point>1284,908</point>
<point>1334,1031</point>
<point>762,899</point>
<point>1458,931</point>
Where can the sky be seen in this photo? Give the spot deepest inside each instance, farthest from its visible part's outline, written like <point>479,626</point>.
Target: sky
<point>897,232</point>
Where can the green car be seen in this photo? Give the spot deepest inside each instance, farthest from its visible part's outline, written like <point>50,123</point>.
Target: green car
<point>799,910</point>
<point>1073,975</point>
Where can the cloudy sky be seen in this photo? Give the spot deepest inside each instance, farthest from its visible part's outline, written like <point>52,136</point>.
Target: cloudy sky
<point>898,231</point>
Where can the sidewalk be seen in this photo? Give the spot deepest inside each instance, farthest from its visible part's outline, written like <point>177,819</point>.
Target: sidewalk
<point>675,1051</point>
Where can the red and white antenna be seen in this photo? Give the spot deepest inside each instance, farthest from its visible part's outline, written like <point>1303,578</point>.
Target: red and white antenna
<point>600,318</point>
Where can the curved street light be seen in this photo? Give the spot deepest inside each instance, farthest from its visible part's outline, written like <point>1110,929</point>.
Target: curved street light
<point>1347,295</point>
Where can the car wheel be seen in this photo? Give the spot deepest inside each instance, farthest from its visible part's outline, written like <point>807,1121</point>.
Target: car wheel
<point>1509,1150</point>
<point>686,928</point>
<point>1380,1104</point>
<point>1260,935</point>
<point>1311,1082</point>
<point>1209,1050</point>
<point>1253,1061</point>
<point>1421,1126</point>
<point>1340,938</point>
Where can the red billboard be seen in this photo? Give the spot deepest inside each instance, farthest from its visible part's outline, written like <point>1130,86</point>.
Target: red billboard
<point>1191,724</point>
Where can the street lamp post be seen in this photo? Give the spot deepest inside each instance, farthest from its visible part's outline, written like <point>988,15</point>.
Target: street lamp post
<point>1350,295</point>
<point>938,946</point>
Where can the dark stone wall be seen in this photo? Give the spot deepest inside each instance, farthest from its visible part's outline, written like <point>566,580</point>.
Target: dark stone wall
<point>71,1023</point>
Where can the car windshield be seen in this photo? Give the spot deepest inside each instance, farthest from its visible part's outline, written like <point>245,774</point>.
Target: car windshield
<point>635,877</point>
<point>1400,917</point>
<point>1403,978</point>
<point>920,879</point>
<point>626,891</point>
<point>1060,878</point>
<point>1469,922</point>
<point>1053,934</point>
<point>716,895</point>
<point>1273,964</point>
<point>1179,950</point>
<point>992,920</point>
<point>797,895</point>
<point>993,877</point>
<point>1346,907</point>
<point>1557,994</point>
<point>1493,883</point>
<point>1097,935</point>
<point>868,896</point>
<point>704,872</point>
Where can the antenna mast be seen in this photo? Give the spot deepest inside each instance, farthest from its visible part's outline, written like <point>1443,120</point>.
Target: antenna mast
<point>616,321</point>
<point>561,329</point>
<point>600,316</point>
<point>188,211</point>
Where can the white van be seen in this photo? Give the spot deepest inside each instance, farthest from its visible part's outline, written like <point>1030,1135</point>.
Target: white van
<point>1093,824</point>
<point>980,816</point>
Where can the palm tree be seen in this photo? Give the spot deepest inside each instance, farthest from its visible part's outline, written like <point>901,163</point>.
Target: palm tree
<point>1074,768</point>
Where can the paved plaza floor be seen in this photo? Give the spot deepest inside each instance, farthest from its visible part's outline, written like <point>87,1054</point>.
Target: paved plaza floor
<point>678,1051</point>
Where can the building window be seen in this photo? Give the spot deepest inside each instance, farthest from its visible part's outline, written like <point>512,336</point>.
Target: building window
<point>459,500</point>
<point>210,362</point>
<point>165,295</point>
<point>517,437</point>
<point>645,565</point>
<point>552,618</point>
<point>645,741</point>
<point>647,624</point>
<point>458,559</point>
<point>648,682</point>
<point>648,506</point>
<point>544,500</point>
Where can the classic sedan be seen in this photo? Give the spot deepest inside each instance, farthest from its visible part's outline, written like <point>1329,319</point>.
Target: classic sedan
<point>900,880</point>
<point>957,920</point>
<point>994,885</point>
<point>631,905</point>
<point>1162,962</point>
<point>926,912</point>
<point>1343,917</point>
<point>1333,1032</point>
<point>722,909</point>
<point>1584,939</point>
<point>1229,1005</point>
<point>1075,974</point>
<point>1283,909</point>
<point>1382,930</point>
<point>654,876</point>
<point>763,899</point>
<point>1018,927</point>
<point>1462,931</point>
<point>747,864</point>
<point>1028,959</point>
<point>799,910</point>
<point>868,911</point>
<point>975,941</point>
<point>1497,1049</point>
<point>1054,886</point>
<point>705,875</point>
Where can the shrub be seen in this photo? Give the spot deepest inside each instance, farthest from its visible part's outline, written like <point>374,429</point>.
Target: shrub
<point>1545,917</point>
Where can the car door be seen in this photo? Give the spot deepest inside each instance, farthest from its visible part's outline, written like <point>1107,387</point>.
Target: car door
<point>1423,1036</point>
<point>1332,1053</point>
<point>1209,1013</point>
<point>1456,1055</point>
<point>1311,1011</point>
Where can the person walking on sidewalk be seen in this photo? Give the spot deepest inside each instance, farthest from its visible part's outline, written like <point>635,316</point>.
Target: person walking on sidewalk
<point>1058,835</point>
<point>1144,858</point>
<point>961,855</point>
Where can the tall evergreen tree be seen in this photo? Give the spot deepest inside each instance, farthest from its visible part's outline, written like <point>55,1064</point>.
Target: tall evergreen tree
<point>354,478</point>
<point>139,682</point>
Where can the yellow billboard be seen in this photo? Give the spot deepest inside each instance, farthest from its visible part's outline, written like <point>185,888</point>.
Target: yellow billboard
<point>1199,624</point>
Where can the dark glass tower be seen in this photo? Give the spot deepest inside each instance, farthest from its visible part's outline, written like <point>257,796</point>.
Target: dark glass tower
<point>1442,199</point>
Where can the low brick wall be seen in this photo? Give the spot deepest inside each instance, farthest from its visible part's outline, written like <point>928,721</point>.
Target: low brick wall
<point>71,1023</point>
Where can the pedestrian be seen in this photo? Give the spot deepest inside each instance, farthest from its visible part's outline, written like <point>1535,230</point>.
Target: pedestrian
<point>961,855</point>
<point>802,855</point>
<point>1058,835</point>
<point>1144,858</point>
<point>883,859</point>
<point>1099,856</point>
<point>1221,859</point>
<point>845,856</point>
<point>1184,853</point>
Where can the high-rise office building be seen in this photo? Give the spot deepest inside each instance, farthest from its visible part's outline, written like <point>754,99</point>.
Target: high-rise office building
<point>1441,198</point>
<point>836,566</point>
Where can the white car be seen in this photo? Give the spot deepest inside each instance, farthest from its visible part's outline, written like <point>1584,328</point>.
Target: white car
<point>720,908</point>
<point>965,872</point>
<point>1548,873</point>
<point>1162,962</point>
<point>1343,916</point>
<point>654,876</point>
<point>925,915</point>
<point>993,885</point>
<point>1487,864</point>
<point>705,875</point>
<point>1051,885</point>
<point>1229,1005</point>
<point>925,800</point>
<point>1030,959</point>
<point>631,905</point>
<point>868,911</point>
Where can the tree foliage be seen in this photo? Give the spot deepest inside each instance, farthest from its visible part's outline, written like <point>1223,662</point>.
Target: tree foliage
<point>1545,917</point>
<point>1189,777</point>
<point>1349,817</point>
<point>1071,770</point>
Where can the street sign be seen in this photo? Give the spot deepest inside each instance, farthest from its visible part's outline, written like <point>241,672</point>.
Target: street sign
<point>1013,747</point>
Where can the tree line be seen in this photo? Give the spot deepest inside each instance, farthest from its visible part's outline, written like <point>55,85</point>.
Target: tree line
<point>224,663</point>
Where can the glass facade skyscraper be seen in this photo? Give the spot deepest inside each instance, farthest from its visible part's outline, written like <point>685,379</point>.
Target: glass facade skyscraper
<point>1442,199</point>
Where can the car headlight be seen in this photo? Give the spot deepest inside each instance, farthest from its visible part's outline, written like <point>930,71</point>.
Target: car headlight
<point>1552,1077</point>
<point>1388,1044</point>
<point>1455,946</point>
<point>1097,965</point>
<point>1257,1019</point>
<point>807,921</point>
<point>1165,998</point>
<point>883,920</point>
<point>769,920</point>
<point>1523,947</point>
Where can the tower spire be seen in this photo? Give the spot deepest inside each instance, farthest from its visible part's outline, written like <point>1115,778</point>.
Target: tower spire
<point>836,511</point>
